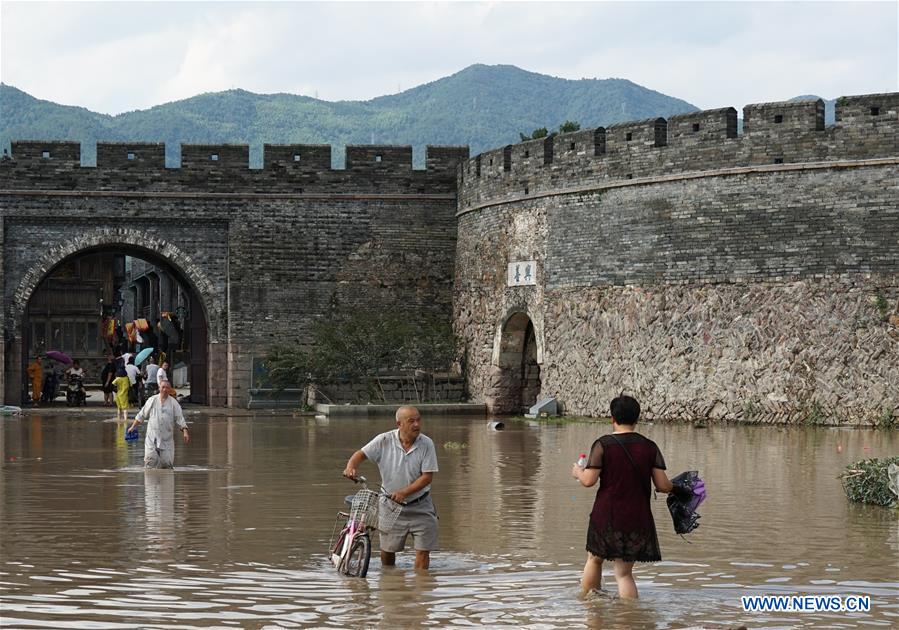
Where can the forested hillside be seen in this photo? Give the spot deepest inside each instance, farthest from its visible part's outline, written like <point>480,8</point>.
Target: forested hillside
<point>481,106</point>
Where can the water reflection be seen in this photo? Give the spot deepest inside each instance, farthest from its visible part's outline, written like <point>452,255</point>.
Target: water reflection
<point>160,517</point>
<point>236,533</point>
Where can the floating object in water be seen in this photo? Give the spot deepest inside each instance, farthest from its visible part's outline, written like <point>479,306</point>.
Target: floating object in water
<point>543,408</point>
<point>9,409</point>
<point>496,426</point>
<point>839,448</point>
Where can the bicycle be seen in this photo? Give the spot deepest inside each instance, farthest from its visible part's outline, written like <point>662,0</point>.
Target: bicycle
<point>350,549</point>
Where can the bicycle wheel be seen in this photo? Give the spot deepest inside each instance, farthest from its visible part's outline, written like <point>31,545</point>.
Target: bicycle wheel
<point>356,564</point>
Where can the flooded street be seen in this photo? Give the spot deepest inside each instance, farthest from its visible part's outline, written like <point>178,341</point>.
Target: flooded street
<point>236,535</point>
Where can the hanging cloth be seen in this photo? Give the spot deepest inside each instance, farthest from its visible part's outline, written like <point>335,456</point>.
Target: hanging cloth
<point>131,331</point>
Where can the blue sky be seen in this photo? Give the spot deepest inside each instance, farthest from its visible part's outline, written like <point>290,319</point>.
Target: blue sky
<point>119,56</point>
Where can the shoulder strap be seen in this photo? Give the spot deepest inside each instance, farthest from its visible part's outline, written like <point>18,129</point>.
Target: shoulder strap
<point>643,482</point>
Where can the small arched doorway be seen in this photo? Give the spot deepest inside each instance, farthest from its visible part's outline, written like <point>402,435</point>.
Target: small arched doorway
<point>516,383</point>
<point>67,308</point>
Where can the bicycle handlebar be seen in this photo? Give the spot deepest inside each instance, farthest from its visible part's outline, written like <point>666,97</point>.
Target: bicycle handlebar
<point>382,491</point>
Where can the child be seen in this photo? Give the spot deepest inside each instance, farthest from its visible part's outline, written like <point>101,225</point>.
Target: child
<point>621,527</point>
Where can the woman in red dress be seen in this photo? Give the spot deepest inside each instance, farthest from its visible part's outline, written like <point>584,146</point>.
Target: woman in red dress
<point>621,527</point>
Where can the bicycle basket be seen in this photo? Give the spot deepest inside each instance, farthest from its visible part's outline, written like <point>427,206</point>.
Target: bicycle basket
<point>388,511</point>
<point>364,509</point>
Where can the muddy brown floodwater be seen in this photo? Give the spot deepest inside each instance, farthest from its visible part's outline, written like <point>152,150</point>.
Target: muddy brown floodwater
<point>235,536</point>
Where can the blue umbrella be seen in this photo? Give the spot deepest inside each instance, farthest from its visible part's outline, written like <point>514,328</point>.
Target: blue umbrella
<point>142,355</point>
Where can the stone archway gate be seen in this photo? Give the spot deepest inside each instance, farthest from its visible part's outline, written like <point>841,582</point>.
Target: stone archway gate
<point>33,246</point>
<point>267,251</point>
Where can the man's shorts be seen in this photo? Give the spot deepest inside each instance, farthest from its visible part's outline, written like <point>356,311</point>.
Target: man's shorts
<point>419,520</point>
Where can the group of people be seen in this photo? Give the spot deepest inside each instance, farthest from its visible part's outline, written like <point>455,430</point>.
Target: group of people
<point>625,464</point>
<point>123,381</point>
<point>45,379</point>
<point>620,528</point>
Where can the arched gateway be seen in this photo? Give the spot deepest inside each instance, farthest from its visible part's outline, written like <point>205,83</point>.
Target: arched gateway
<point>515,380</point>
<point>33,264</point>
<point>266,252</point>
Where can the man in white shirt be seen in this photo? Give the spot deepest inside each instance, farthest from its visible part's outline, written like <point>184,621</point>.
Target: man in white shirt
<point>134,376</point>
<point>162,374</point>
<point>407,461</point>
<point>151,370</point>
<point>75,370</point>
<point>162,413</point>
<point>132,371</point>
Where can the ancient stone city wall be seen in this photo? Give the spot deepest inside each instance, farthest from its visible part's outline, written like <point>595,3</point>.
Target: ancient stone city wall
<point>710,274</point>
<point>268,250</point>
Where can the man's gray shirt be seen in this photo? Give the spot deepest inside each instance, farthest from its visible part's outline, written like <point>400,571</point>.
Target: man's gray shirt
<point>398,467</point>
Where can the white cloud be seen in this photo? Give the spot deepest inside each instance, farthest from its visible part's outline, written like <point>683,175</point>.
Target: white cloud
<point>113,57</point>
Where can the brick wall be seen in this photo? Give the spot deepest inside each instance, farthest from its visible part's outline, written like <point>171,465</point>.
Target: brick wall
<point>268,250</point>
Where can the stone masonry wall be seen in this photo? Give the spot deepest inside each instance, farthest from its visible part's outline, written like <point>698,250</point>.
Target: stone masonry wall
<point>691,270</point>
<point>756,352</point>
<point>268,250</point>
<point>773,134</point>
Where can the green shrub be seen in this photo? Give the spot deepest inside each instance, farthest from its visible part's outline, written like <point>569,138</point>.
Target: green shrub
<point>883,306</point>
<point>867,481</point>
<point>363,345</point>
<point>886,420</point>
<point>815,414</point>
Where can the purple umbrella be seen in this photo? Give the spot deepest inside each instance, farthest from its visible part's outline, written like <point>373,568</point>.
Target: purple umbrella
<point>688,493</point>
<point>56,355</point>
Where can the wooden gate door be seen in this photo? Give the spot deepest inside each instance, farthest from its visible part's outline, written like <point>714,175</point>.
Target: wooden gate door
<point>199,353</point>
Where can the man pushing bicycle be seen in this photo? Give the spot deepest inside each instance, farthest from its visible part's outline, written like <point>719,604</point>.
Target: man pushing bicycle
<point>407,461</point>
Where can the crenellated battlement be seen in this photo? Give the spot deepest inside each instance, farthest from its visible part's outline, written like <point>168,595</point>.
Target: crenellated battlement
<point>300,158</point>
<point>119,155</point>
<point>287,168</point>
<point>789,132</point>
<point>708,126</point>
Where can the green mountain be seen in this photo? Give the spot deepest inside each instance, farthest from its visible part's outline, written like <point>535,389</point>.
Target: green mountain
<point>482,106</point>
